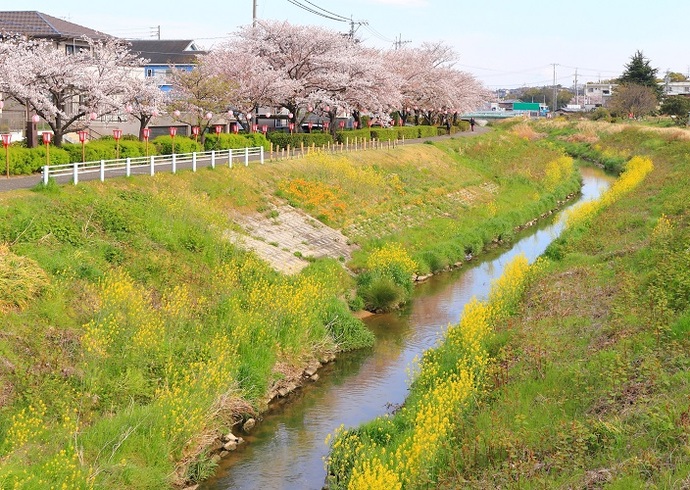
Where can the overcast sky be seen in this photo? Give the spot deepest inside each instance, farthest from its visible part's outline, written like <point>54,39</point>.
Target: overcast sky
<point>504,43</point>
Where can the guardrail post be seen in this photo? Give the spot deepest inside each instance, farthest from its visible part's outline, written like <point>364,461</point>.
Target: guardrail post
<point>261,152</point>
<point>153,166</point>
<point>213,158</point>
<point>230,157</point>
<point>194,162</point>
<point>246,156</point>
<point>128,167</point>
<point>46,172</point>
<point>174,164</point>
<point>102,170</point>
<point>75,176</point>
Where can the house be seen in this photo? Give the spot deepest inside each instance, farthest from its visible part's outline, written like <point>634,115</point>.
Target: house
<point>64,35</point>
<point>163,55</point>
<point>677,88</point>
<point>36,25</point>
<point>598,94</point>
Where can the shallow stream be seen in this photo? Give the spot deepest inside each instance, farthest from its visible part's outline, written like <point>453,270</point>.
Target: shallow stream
<point>286,450</point>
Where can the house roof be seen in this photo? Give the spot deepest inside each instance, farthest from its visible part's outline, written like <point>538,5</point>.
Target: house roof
<point>39,25</point>
<point>166,52</point>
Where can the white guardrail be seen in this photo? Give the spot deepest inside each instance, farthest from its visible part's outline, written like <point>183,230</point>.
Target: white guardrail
<point>141,165</point>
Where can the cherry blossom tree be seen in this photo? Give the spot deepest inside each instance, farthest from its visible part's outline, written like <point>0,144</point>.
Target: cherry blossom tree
<point>431,87</point>
<point>199,93</point>
<point>306,70</point>
<point>63,88</point>
<point>143,100</point>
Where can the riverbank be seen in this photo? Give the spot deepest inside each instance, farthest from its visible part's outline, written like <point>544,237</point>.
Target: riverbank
<point>585,382</point>
<point>136,332</point>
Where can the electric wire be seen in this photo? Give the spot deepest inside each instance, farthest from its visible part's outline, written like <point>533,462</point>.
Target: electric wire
<point>327,11</point>
<point>315,12</point>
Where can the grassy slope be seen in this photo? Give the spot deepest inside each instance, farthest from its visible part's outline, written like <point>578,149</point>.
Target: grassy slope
<point>591,386</point>
<point>131,328</point>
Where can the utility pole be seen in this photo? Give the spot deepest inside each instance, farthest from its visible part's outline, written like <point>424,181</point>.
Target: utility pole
<point>254,14</point>
<point>555,89</point>
<point>577,99</point>
<point>399,42</point>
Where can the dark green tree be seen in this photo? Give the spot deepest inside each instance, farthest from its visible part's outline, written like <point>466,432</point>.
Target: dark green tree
<point>678,106</point>
<point>640,72</point>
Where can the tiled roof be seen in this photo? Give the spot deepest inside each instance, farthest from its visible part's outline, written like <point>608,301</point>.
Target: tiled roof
<point>166,52</point>
<point>38,25</point>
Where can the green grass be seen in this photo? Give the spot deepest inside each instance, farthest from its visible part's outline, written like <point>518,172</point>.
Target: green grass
<point>593,387</point>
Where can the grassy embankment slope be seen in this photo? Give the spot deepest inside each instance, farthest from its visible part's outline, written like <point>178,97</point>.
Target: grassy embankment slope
<point>574,374</point>
<point>132,332</point>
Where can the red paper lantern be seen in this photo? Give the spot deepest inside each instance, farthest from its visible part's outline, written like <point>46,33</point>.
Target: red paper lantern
<point>195,130</point>
<point>117,134</point>
<point>6,138</point>
<point>173,131</point>
<point>46,137</point>
<point>147,133</point>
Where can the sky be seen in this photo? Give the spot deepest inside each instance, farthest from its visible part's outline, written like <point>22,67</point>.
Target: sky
<point>503,43</point>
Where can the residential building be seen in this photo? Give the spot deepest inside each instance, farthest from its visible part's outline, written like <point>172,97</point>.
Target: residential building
<point>163,56</point>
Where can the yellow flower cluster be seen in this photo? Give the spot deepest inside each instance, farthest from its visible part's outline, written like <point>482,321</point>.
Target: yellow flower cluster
<point>635,172</point>
<point>391,254</point>
<point>323,199</point>
<point>374,475</point>
<point>26,426</point>
<point>557,171</point>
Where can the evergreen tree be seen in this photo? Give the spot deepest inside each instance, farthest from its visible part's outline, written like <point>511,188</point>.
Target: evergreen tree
<point>639,72</point>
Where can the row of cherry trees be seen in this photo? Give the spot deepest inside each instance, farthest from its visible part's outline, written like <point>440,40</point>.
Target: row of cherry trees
<point>305,70</point>
<point>70,90</point>
<point>317,71</point>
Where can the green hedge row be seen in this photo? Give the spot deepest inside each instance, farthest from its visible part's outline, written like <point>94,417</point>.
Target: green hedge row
<point>24,161</point>
<point>226,141</point>
<point>388,134</point>
<point>295,140</point>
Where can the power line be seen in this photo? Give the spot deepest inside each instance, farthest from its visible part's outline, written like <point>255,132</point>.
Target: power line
<point>315,12</point>
<point>327,11</point>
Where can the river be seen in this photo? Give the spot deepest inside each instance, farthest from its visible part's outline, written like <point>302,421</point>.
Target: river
<point>286,450</point>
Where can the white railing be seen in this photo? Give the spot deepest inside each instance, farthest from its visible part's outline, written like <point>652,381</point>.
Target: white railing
<point>139,165</point>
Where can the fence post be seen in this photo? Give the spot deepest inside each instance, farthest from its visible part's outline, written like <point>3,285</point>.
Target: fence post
<point>261,152</point>
<point>213,158</point>
<point>75,176</point>
<point>246,156</point>
<point>128,167</point>
<point>193,161</point>
<point>46,172</point>
<point>174,163</point>
<point>230,157</point>
<point>153,166</point>
<point>102,170</point>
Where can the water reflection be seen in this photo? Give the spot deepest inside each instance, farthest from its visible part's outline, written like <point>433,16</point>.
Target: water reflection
<point>286,450</point>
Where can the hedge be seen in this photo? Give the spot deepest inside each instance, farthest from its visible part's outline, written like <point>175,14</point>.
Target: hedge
<point>295,140</point>
<point>106,149</point>
<point>25,161</point>
<point>183,144</point>
<point>225,141</point>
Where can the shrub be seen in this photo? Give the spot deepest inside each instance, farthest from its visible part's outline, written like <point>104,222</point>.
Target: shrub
<point>183,144</point>
<point>383,134</point>
<point>295,140</point>
<point>364,133</point>
<point>426,131</point>
<point>463,125</point>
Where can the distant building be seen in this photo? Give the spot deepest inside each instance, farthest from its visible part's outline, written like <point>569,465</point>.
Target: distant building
<point>163,56</point>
